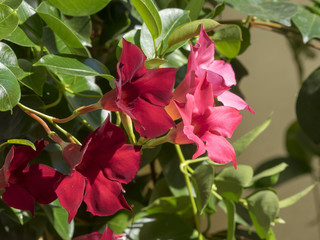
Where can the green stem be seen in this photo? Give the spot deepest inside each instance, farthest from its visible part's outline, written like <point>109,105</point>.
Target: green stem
<point>188,183</point>
<point>231,208</point>
<point>81,94</point>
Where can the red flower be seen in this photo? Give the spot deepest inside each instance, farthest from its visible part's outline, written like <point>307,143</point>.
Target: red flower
<point>26,184</point>
<point>141,93</point>
<point>205,125</point>
<point>98,169</point>
<point>107,235</point>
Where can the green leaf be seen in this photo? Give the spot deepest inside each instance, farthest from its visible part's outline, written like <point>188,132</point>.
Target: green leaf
<point>58,217</point>
<point>242,143</point>
<point>154,62</point>
<point>242,175</point>
<point>33,28</point>
<point>8,21</point>
<point>12,3</point>
<point>9,89</point>
<point>263,208</point>
<point>189,30</point>
<point>50,16</point>
<point>308,105</point>
<point>229,189</point>
<point>171,19</point>
<point>194,6</point>
<point>21,142</point>
<point>307,23</point>
<point>174,205</point>
<point>24,12</point>
<point>150,16</point>
<point>228,40</point>
<point>202,181</point>
<point>74,66</point>
<point>287,202</point>
<point>269,176</point>
<point>18,216</point>
<point>79,7</point>
<point>119,221</point>
<point>19,37</point>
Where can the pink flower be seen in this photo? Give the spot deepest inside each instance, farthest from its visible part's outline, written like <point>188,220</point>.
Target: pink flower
<point>218,72</point>
<point>98,169</point>
<point>107,235</point>
<point>23,183</point>
<point>141,93</point>
<point>205,125</point>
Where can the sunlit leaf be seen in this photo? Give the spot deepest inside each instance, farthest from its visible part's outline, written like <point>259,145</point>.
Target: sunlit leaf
<point>8,21</point>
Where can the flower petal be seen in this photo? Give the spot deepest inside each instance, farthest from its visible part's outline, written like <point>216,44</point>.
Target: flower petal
<point>4,171</point>
<point>104,197</point>
<point>177,136</point>
<point>18,197</point>
<point>233,100</point>
<point>124,164</point>
<point>72,155</point>
<point>203,96</point>
<point>219,149</point>
<point>40,180</point>
<point>188,131</point>
<point>70,192</point>
<point>225,70</point>
<point>90,236</point>
<point>108,100</point>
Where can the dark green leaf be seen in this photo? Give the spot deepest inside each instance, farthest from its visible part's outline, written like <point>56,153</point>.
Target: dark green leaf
<point>242,143</point>
<point>194,6</point>
<point>308,106</point>
<point>189,30</point>
<point>230,190</point>
<point>218,9</point>
<point>150,16</point>
<point>33,28</point>
<point>8,21</point>
<point>19,37</point>
<point>160,190</point>
<point>51,17</point>
<point>79,7</point>
<point>287,202</point>
<point>18,216</point>
<point>58,217</point>
<point>202,180</point>
<point>242,175</point>
<point>9,89</point>
<point>12,3</point>
<point>307,23</point>
<point>228,40</point>
<point>263,208</point>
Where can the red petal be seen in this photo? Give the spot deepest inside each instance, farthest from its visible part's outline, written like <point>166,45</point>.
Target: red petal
<point>90,236</point>
<point>40,180</point>
<point>177,136</point>
<point>104,197</point>
<point>124,164</point>
<point>72,155</point>
<point>70,192</point>
<point>108,101</point>
<point>18,197</point>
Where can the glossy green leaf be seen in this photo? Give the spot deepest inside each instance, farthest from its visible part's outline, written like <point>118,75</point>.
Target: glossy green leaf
<point>194,7</point>
<point>263,208</point>
<point>242,175</point>
<point>58,217</point>
<point>8,21</point>
<point>50,16</point>
<point>171,19</point>
<point>228,40</point>
<point>242,143</point>
<point>73,66</point>
<point>189,30</point>
<point>12,3</point>
<point>150,16</point>
<point>308,105</point>
<point>20,142</point>
<point>269,173</point>
<point>24,12</point>
<point>307,23</point>
<point>154,62</point>
<point>120,221</point>
<point>287,202</point>
<point>9,89</point>
<point>19,37</point>
<point>79,7</point>
<point>33,28</point>
<point>202,181</point>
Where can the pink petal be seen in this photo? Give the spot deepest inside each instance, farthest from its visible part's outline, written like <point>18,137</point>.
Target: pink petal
<point>104,197</point>
<point>223,120</point>
<point>70,192</point>
<point>156,85</point>
<point>188,131</point>
<point>131,64</point>
<point>218,82</point>
<point>233,100</point>
<point>177,136</point>
<point>18,197</point>
<point>203,96</point>
<point>187,109</point>
<point>124,164</point>
<point>40,180</point>
<point>150,121</point>
<point>90,236</point>
<point>219,149</point>
<point>107,234</point>
<point>225,70</point>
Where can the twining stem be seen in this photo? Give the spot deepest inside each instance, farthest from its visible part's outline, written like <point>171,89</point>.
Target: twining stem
<point>188,183</point>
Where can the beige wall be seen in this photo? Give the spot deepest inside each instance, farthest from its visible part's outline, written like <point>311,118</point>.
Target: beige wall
<point>272,85</point>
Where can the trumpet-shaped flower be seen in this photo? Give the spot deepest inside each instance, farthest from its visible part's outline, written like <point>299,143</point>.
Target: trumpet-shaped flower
<point>218,72</point>
<point>98,169</point>
<point>141,93</point>
<point>23,183</point>
<point>206,125</point>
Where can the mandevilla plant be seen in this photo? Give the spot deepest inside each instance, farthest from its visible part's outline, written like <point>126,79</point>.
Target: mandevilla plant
<point>116,119</point>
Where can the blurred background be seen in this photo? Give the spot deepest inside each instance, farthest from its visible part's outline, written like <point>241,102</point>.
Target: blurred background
<point>272,86</point>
